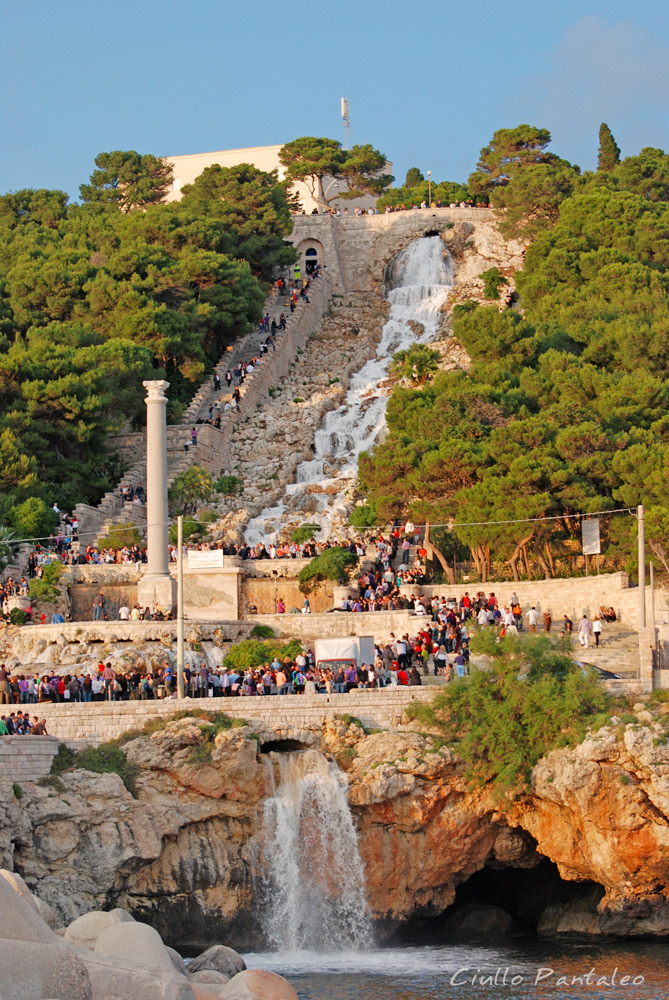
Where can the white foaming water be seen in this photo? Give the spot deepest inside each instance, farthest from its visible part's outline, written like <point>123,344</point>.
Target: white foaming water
<point>316,893</point>
<point>421,277</point>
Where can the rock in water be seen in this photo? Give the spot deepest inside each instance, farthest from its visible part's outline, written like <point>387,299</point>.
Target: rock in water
<point>256,984</point>
<point>207,977</point>
<point>85,930</point>
<point>219,959</point>
<point>136,942</point>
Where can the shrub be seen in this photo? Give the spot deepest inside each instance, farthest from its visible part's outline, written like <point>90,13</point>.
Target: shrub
<point>45,589</point>
<point>33,518</point>
<point>262,632</point>
<point>365,516</point>
<point>332,564</point>
<point>503,720</point>
<point>254,652</point>
<point>192,487</point>
<point>151,726</point>
<point>492,280</point>
<point>417,363</point>
<point>121,535</point>
<point>18,791</point>
<point>191,528</point>
<point>18,616</point>
<point>108,758</point>
<point>229,486</point>
<point>207,516</point>
<point>63,760</point>
<point>305,532</point>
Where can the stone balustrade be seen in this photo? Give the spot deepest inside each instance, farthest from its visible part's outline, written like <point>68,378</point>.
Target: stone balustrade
<point>380,708</point>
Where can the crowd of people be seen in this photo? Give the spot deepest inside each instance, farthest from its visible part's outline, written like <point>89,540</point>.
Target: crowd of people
<point>412,207</point>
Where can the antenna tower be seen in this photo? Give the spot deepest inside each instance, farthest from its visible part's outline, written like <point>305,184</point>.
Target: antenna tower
<point>346,120</point>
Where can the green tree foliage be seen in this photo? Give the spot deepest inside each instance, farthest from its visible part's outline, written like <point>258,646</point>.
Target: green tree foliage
<point>333,563</point>
<point>364,516</point>
<point>191,488</point>
<point>96,298</point>
<point>492,281</point>
<point>229,486</point>
<point>524,181</point>
<point>33,519</point>
<point>413,177</point>
<point>46,589</point>
<point>609,151</point>
<point>305,532</point>
<point>563,409</point>
<point>415,193</point>
<point>311,160</point>
<point>120,536</point>
<point>501,721</point>
<point>257,652</point>
<point>417,363</point>
<point>254,209</point>
<point>128,180</point>
<point>7,546</point>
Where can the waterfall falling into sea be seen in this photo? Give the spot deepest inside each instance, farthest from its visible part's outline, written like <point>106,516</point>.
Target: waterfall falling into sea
<point>419,280</point>
<point>316,887</point>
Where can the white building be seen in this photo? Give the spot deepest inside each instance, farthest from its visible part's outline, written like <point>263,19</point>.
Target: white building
<point>186,168</point>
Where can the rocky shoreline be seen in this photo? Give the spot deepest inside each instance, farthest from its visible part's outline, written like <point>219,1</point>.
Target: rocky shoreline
<point>185,854</point>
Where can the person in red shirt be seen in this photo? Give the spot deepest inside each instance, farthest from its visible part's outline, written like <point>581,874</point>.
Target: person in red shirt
<point>402,677</point>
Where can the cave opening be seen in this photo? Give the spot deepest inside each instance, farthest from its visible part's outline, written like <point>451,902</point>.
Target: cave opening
<point>283,746</point>
<point>503,900</point>
<point>431,232</point>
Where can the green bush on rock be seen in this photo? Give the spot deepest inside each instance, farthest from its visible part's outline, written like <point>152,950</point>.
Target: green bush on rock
<point>334,563</point>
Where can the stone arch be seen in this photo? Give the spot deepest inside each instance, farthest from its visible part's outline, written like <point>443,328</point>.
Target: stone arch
<point>310,252</point>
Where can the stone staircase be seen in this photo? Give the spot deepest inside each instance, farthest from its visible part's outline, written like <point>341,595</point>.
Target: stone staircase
<point>618,650</point>
<point>95,522</point>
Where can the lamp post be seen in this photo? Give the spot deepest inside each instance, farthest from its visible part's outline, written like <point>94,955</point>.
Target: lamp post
<point>429,188</point>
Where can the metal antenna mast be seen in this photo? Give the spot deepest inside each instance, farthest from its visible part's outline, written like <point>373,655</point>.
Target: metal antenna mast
<point>346,120</point>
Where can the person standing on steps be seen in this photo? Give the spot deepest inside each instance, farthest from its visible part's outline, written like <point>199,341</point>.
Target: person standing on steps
<point>584,631</point>
<point>98,604</point>
<point>597,630</point>
<point>193,436</point>
<point>228,378</point>
<point>217,382</point>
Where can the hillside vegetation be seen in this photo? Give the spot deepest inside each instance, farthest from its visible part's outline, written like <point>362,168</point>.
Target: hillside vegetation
<point>564,408</point>
<point>97,296</point>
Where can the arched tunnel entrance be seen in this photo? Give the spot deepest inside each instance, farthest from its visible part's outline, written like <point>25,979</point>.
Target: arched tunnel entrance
<point>282,746</point>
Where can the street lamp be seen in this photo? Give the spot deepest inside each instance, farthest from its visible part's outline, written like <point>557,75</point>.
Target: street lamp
<point>429,188</point>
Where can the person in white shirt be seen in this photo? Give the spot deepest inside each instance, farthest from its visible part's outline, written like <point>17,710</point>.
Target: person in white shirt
<point>532,619</point>
<point>482,617</point>
<point>124,613</point>
<point>597,629</point>
<point>584,631</point>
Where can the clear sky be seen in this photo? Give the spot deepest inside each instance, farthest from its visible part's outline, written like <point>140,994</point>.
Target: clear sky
<point>428,82</point>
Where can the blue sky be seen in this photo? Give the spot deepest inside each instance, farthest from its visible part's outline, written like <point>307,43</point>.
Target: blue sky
<point>428,82</point>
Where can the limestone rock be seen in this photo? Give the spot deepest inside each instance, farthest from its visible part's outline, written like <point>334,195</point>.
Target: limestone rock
<point>177,960</point>
<point>29,970</point>
<point>115,978</point>
<point>20,919</point>
<point>46,912</point>
<point>85,930</point>
<point>257,984</point>
<point>208,977</point>
<point>203,993</point>
<point>135,941</point>
<point>220,959</point>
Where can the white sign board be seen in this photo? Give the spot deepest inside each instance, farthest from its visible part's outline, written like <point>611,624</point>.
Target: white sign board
<point>205,559</point>
<point>590,537</point>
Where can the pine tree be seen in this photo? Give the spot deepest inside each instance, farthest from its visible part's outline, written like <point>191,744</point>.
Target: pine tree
<point>609,152</point>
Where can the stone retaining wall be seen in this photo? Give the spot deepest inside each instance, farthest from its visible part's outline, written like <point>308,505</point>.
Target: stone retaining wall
<point>27,758</point>
<point>107,720</point>
<point>378,624</point>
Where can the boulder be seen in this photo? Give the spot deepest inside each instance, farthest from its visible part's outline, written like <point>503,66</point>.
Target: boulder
<point>20,919</point>
<point>219,959</point>
<point>114,978</point>
<point>85,930</point>
<point>136,942</point>
<point>46,912</point>
<point>256,984</point>
<point>29,970</point>
<point>208,977</point>
<point>177,960</point>
<point>203,994</point>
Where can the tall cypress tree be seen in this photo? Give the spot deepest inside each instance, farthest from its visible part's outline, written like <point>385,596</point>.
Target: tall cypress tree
<point>609,152</point>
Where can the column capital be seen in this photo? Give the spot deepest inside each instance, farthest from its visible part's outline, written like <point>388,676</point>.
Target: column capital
<point>155,391</point>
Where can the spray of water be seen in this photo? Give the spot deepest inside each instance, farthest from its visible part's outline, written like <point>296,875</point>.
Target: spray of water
<point>316,887</point>
<point>419,278</point>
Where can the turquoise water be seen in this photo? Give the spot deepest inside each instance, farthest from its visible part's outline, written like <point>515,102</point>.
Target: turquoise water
<point>524,968</point>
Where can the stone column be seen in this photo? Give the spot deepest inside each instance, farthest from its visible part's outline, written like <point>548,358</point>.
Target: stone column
<point>156,584</point>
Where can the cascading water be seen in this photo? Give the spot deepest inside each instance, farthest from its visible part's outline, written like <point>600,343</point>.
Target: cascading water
<point>316,891</point>
<point>420,279</point>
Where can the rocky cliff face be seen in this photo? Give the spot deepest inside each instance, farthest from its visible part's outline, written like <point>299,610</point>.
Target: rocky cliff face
<point>186,854</point>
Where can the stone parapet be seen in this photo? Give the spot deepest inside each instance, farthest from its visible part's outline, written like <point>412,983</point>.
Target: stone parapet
<point>378,624</point>
<point>382,708</point>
